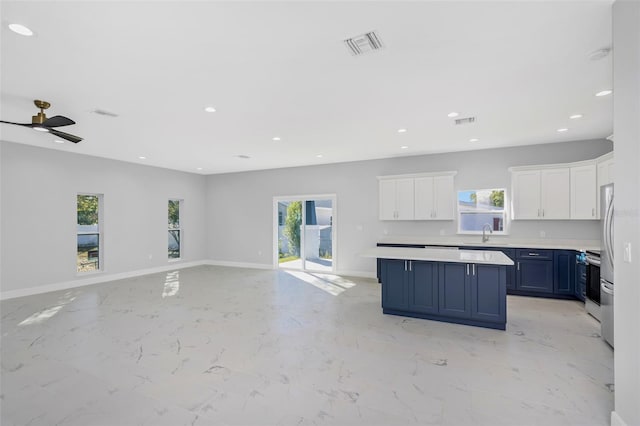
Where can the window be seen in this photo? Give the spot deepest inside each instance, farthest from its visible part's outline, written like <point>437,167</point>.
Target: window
<point>89,238</point>
<point>174,247</point>
<point>480,207</point>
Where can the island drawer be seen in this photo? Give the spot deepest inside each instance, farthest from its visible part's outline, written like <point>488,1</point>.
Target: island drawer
<point>535,254</point>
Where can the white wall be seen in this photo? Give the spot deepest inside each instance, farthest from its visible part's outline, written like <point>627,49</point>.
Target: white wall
<point>626,86</point>
<point>240,212</point>
<point>38,222</point>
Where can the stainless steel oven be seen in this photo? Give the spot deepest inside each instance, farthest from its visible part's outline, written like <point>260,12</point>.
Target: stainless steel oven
<point>592,296</point>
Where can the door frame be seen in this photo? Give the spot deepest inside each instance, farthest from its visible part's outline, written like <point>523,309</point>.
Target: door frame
<point>334,228</point>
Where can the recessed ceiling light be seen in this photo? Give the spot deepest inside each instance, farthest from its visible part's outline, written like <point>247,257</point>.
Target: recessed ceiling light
<point>404,147</point>
<point>564,129</point>
<point>402,130</point>
<point>452,114</point>
<point>58,141</point>
<point>198,168</point>
<point>142,157</point>
<point>575,116</point>
<point>210,109</point>
<point>604,93</point>
<point>20,29</point>
<point>319,156</point>
<point>40,129</point>
<point>474,140</point>
<point>276,138</point>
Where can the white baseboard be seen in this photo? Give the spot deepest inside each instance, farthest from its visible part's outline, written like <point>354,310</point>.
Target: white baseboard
<point>96,279</point>
<point>239,264</point>
<point>616,420</point>
<point>101,278</point>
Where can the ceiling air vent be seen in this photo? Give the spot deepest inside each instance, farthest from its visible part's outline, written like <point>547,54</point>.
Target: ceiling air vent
<point>104,112</point>
<point>364,43</point>
<point>466,120</point>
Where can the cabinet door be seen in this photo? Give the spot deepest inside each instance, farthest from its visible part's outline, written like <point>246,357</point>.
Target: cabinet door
<point>488,293</point>
<point>423,287</point>
<point>394,284</point>
<point>454,290</point>
<point>555,193</point>
<point>387,194</point>
<point>443,198</point>
<point>526,194</point>
<point>583,192</point>
<point>564,262</point>
<point>423,190</point>
<point>404,199</point>
<point>535,275</point>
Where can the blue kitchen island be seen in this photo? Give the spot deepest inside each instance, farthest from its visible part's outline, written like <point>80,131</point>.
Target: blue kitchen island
<point>457,286</point>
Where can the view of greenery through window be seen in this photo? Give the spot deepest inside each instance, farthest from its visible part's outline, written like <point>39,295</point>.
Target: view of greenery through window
<point>174,229</point>
<point>88,233</point>
<point>477,208</point>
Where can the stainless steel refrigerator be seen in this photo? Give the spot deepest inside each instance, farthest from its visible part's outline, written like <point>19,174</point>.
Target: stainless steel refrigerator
<point>606,263</point>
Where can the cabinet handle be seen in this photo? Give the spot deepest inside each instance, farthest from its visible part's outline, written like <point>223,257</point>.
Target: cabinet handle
<point>518,266</point>
<point>467,269</point>
<point>405,265</point>
<point>410,265</point>
<point>534,254</point>
<point>593,212</point>
<point>542,212</point>
<point>538,212</point>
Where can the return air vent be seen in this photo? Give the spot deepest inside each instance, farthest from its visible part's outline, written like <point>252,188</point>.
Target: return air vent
<point>364,43</point>
<point>466,120</point>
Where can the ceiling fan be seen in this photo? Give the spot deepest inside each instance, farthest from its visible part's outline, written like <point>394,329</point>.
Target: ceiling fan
<point>41,123</point>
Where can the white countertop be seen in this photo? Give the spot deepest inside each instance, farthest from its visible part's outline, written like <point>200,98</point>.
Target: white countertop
<point>439,255</point>
<point>495,241</point>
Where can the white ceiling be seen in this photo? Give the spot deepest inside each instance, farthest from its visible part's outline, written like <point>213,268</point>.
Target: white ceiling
<point>281,69</point>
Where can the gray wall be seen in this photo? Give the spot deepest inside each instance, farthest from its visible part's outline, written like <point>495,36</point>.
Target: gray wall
<point>240,212</point>
<point>626,103</point>
<point>38,222</point>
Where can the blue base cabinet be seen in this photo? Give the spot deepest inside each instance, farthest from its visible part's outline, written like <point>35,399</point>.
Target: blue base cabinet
<point>564,274</point>
<point>423,287</point>
<point>460,293</point>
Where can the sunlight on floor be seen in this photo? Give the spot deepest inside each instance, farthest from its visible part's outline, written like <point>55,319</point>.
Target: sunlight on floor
<point>171,284</point>
<point>45,314</point>
<point>332,284</point>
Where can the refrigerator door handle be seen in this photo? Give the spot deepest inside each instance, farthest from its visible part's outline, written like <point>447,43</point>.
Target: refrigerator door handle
<point>608,232</point>
<point>604,286</point>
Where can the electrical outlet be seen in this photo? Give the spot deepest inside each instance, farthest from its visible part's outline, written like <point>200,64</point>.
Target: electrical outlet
<point>627,252</point>
<point>150,256</point>
<point>259,252</point>
<point>543,234</point>
<point>442,232</point>
<point>359,228</point>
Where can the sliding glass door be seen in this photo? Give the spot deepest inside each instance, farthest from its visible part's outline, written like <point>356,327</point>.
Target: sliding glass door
<point>304,233</point>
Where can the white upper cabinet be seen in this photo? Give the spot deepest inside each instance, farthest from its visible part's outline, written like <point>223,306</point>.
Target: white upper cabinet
<point>541,193</point>
<point>555,193</point>
<point>605,176</point>
<point>525,193</point>
<point>583,192</point>
<point>424,196</point>
<point>396,199</point>
<point>434,198</point>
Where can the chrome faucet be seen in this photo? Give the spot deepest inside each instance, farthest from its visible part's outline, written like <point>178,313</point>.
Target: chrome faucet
<point>485,238</point>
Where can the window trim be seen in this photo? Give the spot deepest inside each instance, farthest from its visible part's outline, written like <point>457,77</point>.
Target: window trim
<point>101,266</point>
<point>505,213</point>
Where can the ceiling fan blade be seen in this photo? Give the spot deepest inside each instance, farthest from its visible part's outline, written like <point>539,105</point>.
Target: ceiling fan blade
<point>67,136</point>
<point>58,121</point>
<point>17,124</point>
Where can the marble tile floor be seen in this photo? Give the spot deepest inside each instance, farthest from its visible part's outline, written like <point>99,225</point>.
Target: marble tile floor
<point>231,346</point>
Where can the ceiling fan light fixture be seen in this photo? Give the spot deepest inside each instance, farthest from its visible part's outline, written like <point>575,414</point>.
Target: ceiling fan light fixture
<point>40,129</point>
<point>21,29</point>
